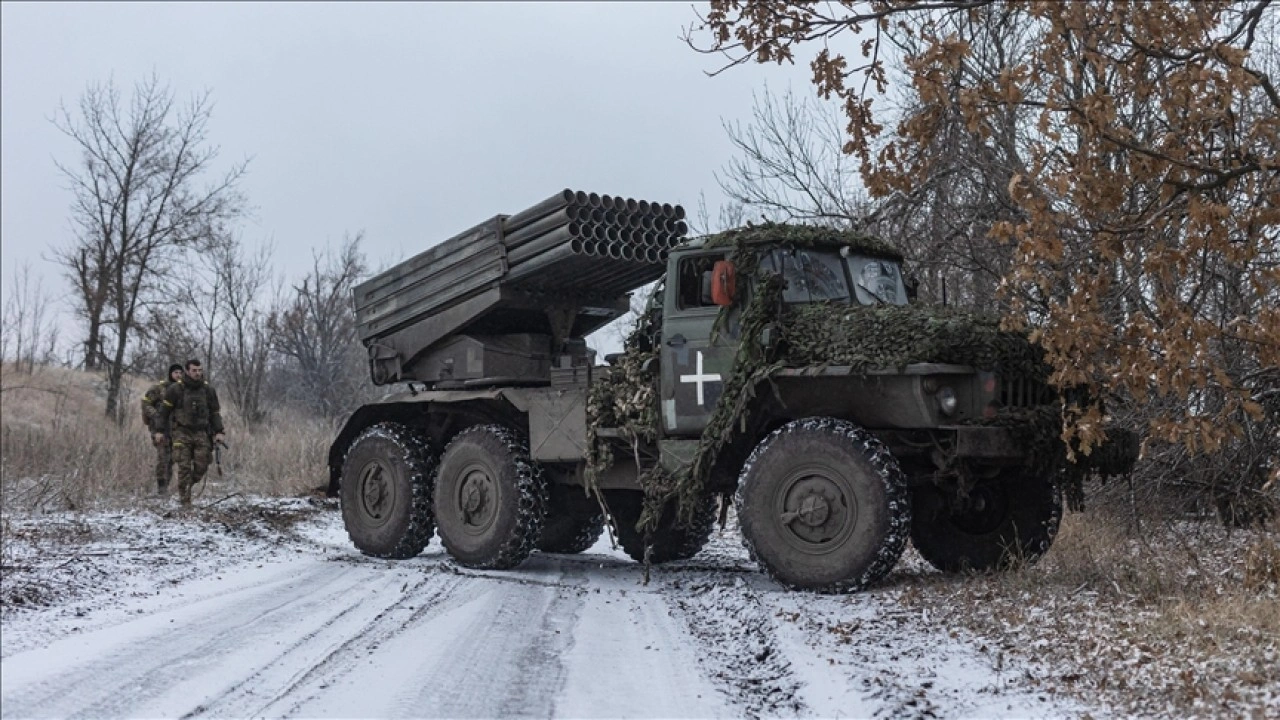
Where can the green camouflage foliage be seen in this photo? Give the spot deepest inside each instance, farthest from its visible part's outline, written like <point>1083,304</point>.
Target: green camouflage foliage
<point>801,236</point>
<point>894,336</point>
<point>625,398</point>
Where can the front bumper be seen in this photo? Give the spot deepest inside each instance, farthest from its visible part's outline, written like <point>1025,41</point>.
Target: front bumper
<point>1116,456</point>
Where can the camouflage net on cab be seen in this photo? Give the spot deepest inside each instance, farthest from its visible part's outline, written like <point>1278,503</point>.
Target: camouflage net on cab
<point>816,336</point>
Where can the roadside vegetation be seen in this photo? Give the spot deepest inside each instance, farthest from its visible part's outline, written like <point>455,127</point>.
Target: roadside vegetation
<point>58,452</point>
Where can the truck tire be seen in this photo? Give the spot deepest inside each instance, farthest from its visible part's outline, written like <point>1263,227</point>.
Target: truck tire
<point>386,492</point>
<point>823,506</point>
<point>574,521</point>
<point>670,541</point>
<point>490,498</point>
<point>1006,521</point>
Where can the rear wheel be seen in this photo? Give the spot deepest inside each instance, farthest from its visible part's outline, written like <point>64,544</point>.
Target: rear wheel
<point>1000,523</point>
<point>823,506</point>
<point>490,498</point>
<point>670,540</point>
<point>386,492</point>
<point>574,521</point>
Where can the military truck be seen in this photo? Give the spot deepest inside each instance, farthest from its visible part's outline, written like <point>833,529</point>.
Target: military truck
<point>493,439</point>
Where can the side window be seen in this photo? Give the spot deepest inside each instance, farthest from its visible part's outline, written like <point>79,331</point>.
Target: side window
<point>694,288</point>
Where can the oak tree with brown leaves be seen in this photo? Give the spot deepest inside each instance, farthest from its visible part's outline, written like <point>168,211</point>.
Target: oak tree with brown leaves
<point>1135,145</point>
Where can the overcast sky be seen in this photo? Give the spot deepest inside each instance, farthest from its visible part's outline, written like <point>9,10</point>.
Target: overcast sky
<point>410,122</point>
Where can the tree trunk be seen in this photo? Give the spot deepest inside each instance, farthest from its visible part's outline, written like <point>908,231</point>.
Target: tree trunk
<point>115,372</point>
<point>93,346</point>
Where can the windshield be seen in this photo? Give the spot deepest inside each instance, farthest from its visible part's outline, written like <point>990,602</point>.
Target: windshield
<point>823,275</point>
<point>877,281</point>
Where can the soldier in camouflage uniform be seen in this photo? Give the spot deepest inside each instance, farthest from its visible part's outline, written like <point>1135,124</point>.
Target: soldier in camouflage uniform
<point>191,411</point>
<point>151,401</point>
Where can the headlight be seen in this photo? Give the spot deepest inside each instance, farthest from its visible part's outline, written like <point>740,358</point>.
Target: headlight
<point>947,400</point>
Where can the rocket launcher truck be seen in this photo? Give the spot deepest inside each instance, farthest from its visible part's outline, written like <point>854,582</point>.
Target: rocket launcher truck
<point>783,367</point>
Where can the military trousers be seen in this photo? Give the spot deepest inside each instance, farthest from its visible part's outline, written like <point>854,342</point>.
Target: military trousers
<point>192,450</point>
<point>164,466</point>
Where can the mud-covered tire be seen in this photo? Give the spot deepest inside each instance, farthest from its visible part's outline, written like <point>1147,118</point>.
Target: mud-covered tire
<point>1007,521</point>
<point>670,540</point>
<point>574,521</point>
<point>823,506</point>
<point>386,491</point>
<point>490,498</point>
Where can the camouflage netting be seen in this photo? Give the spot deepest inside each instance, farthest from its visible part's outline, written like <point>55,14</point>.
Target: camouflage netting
<point>801,236</point>
<point>626,398</point>
<point>893,336</point>
<point>815,336</point>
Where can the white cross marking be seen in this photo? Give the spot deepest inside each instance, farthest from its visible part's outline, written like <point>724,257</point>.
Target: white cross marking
<point>700,378</point>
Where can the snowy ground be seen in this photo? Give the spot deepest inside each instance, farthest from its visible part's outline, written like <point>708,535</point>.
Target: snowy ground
<point>262,608</point>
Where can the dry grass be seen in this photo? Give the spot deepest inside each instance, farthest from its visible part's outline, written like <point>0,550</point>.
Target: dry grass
<point>58,451</point>
<point>1178,619</point>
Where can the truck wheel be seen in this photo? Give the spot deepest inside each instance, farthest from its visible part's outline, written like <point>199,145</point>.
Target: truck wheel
<point>1004,521</point>
<point>490,498</point>
<point>670,541</point>
<point>823,506</point>
<point>574,521</point>
<point>386,492</point>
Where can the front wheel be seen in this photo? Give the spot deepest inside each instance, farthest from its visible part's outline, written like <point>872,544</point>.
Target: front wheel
<point>386,492</point>
<point>490,498</point>
<point>823,506</point>
<point>1000,523</point>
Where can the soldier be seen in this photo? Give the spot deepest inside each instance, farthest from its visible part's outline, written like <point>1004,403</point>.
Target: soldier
<point>150,410</point>
<point>191,412</point>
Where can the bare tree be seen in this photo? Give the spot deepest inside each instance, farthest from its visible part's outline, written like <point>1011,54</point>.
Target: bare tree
<point>29,335</point>
<point>138,203</point>
<point>316,331</point>
<point>244,347</point>
<point>196,289</point>
<point>790,167</point>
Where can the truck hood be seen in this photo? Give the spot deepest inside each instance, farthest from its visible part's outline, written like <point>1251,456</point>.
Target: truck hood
<point>889,337</point>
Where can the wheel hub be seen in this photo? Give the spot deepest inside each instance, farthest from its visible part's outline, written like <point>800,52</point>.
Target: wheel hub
<point>476,497</point>
<point>983,511</point>
<point>374,490</point>
<point>815,509</point>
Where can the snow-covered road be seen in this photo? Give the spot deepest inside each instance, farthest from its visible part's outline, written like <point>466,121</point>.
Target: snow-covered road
<point>311,628</point>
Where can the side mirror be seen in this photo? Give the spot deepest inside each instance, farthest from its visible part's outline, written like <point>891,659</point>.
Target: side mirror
<point>724,283</point>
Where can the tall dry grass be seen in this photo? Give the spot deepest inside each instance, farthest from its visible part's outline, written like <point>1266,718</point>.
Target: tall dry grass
<point>59,451</point>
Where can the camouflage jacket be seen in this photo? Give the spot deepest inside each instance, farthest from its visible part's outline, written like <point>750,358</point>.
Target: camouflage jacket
<point>151,401</point>
<point>190,406</point>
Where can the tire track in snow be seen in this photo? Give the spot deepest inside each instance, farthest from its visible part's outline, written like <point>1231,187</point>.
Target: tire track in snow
<point>508,661</point>
<point>739,648</point>
<point>148,669</point>
<point>308,664</point>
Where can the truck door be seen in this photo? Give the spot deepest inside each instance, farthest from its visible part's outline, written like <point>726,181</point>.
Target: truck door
<point>693,367</point>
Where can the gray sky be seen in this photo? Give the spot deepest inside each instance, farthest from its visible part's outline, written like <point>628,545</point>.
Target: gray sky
<point>410,122</point>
